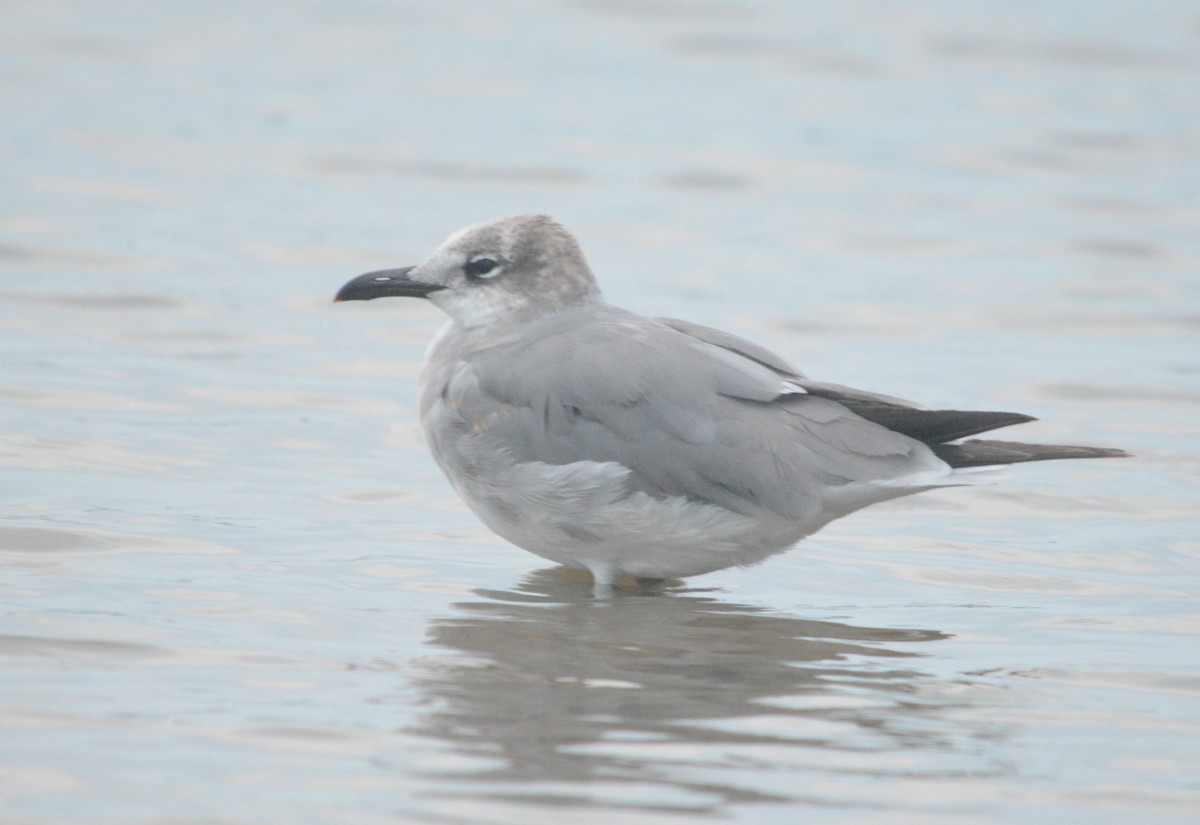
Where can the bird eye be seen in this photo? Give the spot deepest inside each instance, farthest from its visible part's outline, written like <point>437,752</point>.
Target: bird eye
<point>481,268</point>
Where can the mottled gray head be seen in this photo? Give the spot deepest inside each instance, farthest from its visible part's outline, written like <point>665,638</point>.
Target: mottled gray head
<point>510,270</point>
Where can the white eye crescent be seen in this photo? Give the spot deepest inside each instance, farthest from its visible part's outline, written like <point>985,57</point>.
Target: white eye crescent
<point>482,267</point>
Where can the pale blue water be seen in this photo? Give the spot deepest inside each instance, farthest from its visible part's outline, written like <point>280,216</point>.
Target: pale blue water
<point>235,588</point>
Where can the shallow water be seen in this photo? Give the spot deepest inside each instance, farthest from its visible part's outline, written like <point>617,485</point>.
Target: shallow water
<point>236,589</point>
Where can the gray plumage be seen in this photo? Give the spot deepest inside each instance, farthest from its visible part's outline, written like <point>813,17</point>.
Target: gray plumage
<point>602,439</point>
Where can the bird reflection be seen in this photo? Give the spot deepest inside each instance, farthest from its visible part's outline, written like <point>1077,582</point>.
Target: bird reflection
<point>667,701</point>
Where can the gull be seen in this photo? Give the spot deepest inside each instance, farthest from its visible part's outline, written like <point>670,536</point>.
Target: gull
<point>651,447</point>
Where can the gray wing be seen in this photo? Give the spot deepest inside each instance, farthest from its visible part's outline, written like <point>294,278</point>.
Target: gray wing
<point>927,426</point>
<point>705,416</point>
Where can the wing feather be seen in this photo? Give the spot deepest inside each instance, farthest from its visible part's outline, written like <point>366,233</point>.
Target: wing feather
<point>687,415</point>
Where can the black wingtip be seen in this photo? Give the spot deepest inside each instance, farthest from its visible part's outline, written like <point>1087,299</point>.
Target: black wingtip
<point>940,426</point>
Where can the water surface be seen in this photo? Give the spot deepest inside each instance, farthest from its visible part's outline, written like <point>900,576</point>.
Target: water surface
<point>236,589</point>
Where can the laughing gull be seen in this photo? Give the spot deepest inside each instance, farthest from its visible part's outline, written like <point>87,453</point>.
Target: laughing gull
<point>650,447</point>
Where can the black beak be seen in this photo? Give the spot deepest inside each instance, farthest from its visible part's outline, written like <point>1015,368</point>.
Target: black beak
<point>385,283</point>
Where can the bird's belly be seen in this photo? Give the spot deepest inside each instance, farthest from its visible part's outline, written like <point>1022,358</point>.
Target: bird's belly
<point>585,514</point>
<point>637,535</point>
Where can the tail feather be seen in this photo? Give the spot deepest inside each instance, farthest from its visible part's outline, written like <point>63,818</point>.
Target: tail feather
<point>981,453</point>
<point>937,428</point>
